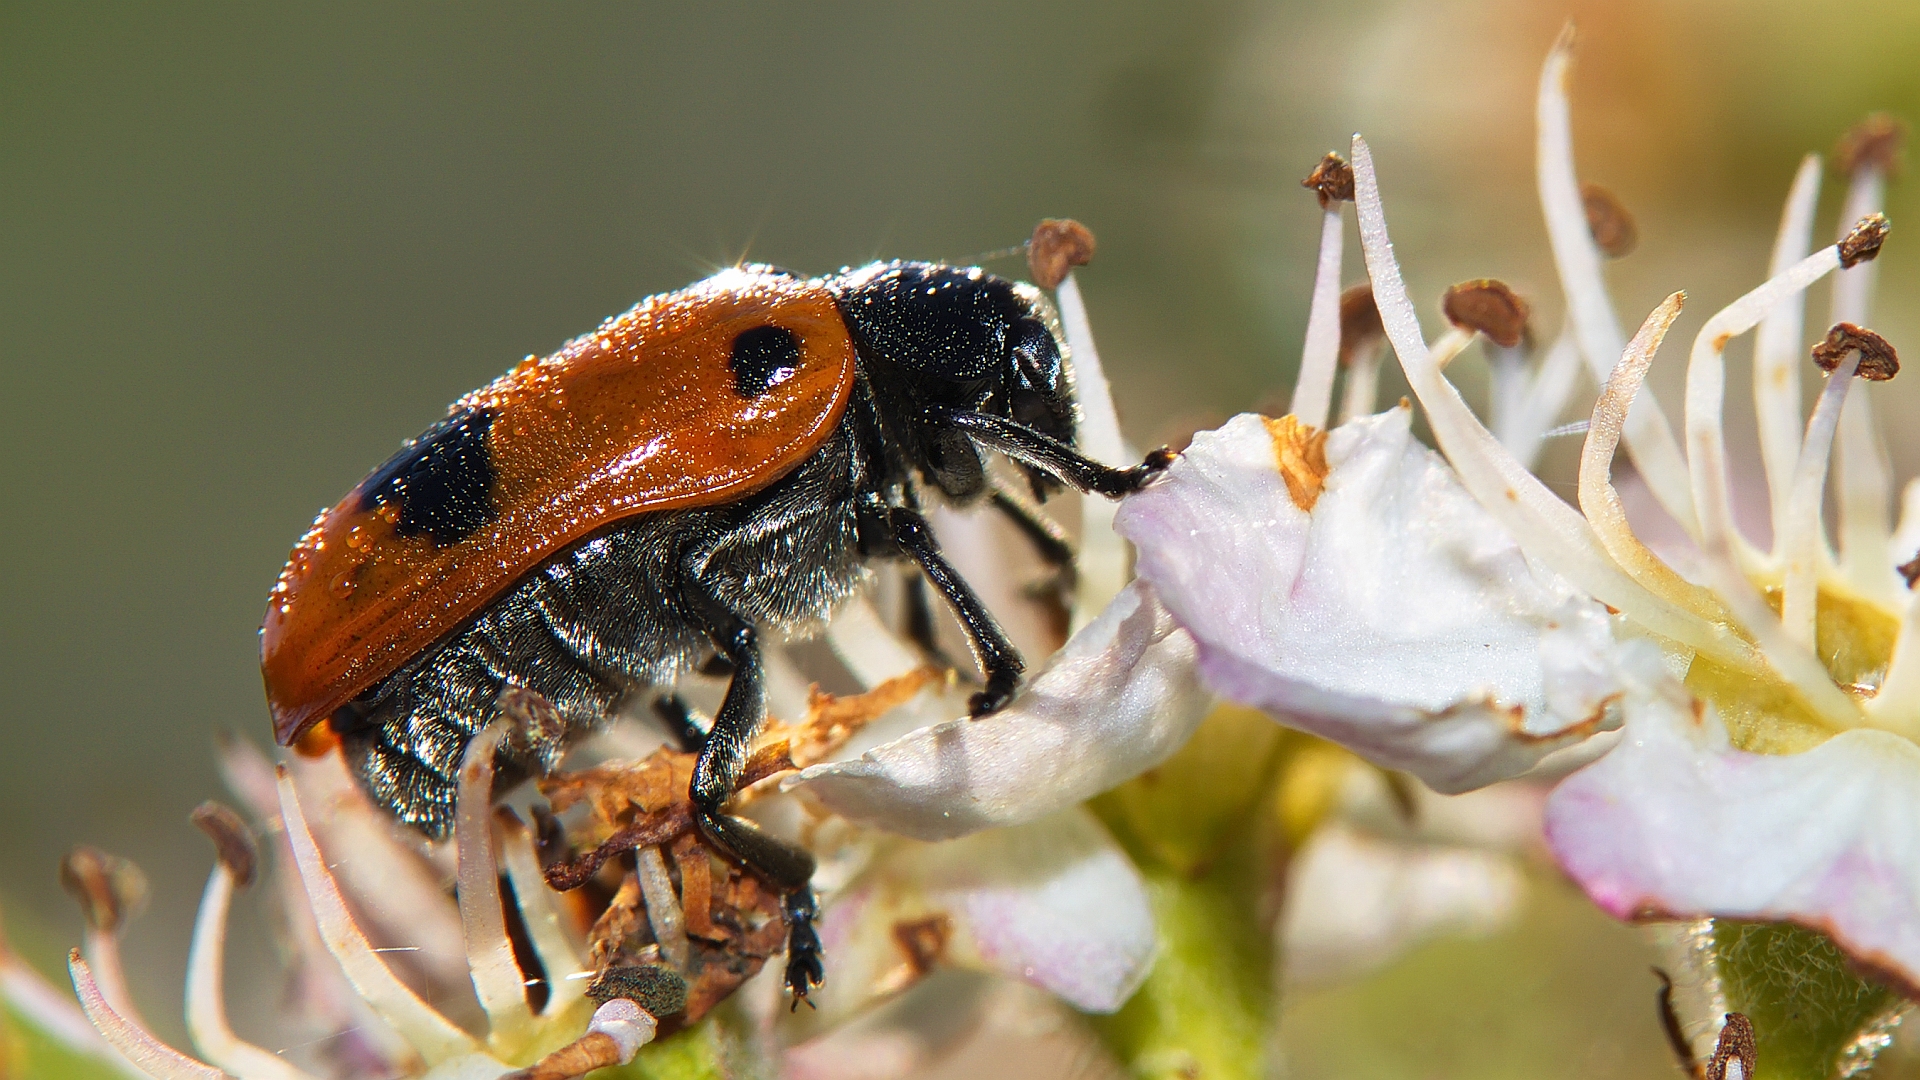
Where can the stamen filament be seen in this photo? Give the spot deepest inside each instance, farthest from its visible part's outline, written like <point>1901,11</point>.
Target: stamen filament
<point>1545,397</point>
<point>497,979</point>
<point>1362,390</point>
<point>206,996</point>
<point>1600,501</point>
<point>155,1058</point>
<point>557,955</point>
<point>1544,526</point>
<point>1777,351</point>
<point>1649,438</point>
<point>435,1037</point>
<point>1863,480</point>
<point>1320,355</point>
<point>1103,555</point>
<point>1706,460</point>
<point>663,907</point>
<point>1799,544</point>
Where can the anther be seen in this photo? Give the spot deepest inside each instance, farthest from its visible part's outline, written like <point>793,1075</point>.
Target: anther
<point>1331,180</point>
<point>659,990</point>
<point>231,839</point>
<point>1489,307</point>
<point>1910,570</point>
<point>1863,243</point>
<point>1058,245</point>
<point>1734,1048</point>
<point>1612,226</point>
<point>1360,326</point>
<point>109,889</point>
<point>1878,361</point>
<point>1875,142</point>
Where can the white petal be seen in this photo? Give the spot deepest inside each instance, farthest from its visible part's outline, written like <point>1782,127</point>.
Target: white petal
<point>1674,822</point>
<point>1054,903</point>
<point>1117,700</point>
<point>1397,618</point>
<point>1355,902</point>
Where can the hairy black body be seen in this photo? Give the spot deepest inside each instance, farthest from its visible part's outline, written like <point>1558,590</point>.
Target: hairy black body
<point>950,362</point>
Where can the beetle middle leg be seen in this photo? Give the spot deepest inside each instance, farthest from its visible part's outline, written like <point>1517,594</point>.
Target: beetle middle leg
<point>787,867</point>
<point>999,661</point>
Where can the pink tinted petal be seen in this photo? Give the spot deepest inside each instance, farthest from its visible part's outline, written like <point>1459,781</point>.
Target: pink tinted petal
<point>1397,618</point>
<point>1117,700</point>
<point>1674,822</point>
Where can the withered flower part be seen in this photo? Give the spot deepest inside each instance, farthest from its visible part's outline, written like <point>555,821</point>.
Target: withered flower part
<point>1489,307</point>
<point>1863,242</point>
<point>1910,570</point>
<point>1878,361</point>
<point>1876,142</point>
<point>658,989</point>
<point>1611,223</point>
<point>1734,1050</point>
<point>1331,180</point>
<point>619,1028</point>
<point>1058,245</point>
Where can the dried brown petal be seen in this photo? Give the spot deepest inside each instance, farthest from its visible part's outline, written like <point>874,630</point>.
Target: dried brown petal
<point>1489,307</point>
<point>1878,362</point>
<point>231,839</point>
<point>594,1050</point>
<point>109,889</point>
<point>1735,1044</point>
<point>1058,245</point>
<point>1876,141</point>
<point>1612,226</point>
<point>1360,323</point>
<point>1331,180</point>
<point>659,990</point>
<point>1910,570</point>
<point>1863,243</point>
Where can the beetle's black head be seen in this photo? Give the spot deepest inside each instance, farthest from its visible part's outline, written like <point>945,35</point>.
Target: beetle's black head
<point>937,339</point>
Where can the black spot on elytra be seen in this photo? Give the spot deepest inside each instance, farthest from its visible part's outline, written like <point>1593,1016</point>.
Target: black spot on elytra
<point>763,356</point>
<point>442,482</point>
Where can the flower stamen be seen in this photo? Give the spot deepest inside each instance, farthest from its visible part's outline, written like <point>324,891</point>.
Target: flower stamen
<point>1863,483</point>
<point>435,1037</point>
<point>152,1056</point>
<point>1649,438</point>
<point>1776,352</point>
<point>1362,340</point>
<point>206,993</point>
<point>1724,550</point>
<point>1332,181</point>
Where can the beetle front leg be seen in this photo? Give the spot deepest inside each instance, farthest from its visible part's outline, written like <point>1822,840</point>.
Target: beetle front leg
<point>1057,459</point>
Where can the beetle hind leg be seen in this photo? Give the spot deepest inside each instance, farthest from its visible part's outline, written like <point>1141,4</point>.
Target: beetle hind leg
<point>786,866</point>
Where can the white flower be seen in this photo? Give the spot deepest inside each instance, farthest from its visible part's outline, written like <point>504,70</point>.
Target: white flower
<point>1447,617</point>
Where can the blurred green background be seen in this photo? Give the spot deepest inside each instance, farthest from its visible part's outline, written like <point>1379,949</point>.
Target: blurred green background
<point>247,249</point>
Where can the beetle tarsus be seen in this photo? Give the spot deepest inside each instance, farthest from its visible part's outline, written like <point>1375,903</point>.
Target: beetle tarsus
<point>999,661</point>
<point>804,967</point>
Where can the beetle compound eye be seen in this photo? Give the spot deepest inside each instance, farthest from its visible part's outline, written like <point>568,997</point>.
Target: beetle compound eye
<point>763,358</point>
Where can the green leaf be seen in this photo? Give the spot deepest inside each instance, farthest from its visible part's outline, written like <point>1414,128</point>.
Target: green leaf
<point>1813,1016</point>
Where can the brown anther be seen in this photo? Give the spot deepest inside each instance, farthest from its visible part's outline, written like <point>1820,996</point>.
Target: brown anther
<point>659,990</point>
<point>1910,570</point>
<point>109,889</point>
<point>1735,1044</point>
<point>923,940</point>
<point>1058,245</point>
<point>1874,142</point>
<point>1489,307</point>
<point>1612,226</point>
<point>1878,361</point>
<point>1331,180</point>
<point>1863,243</point>
<point>231,839</point>
<point>1360,324</point>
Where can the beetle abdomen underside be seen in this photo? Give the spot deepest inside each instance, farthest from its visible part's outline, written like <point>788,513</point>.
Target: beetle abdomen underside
<point>613,615</point>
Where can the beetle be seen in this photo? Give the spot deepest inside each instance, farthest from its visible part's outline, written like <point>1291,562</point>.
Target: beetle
<point>715,465</point>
